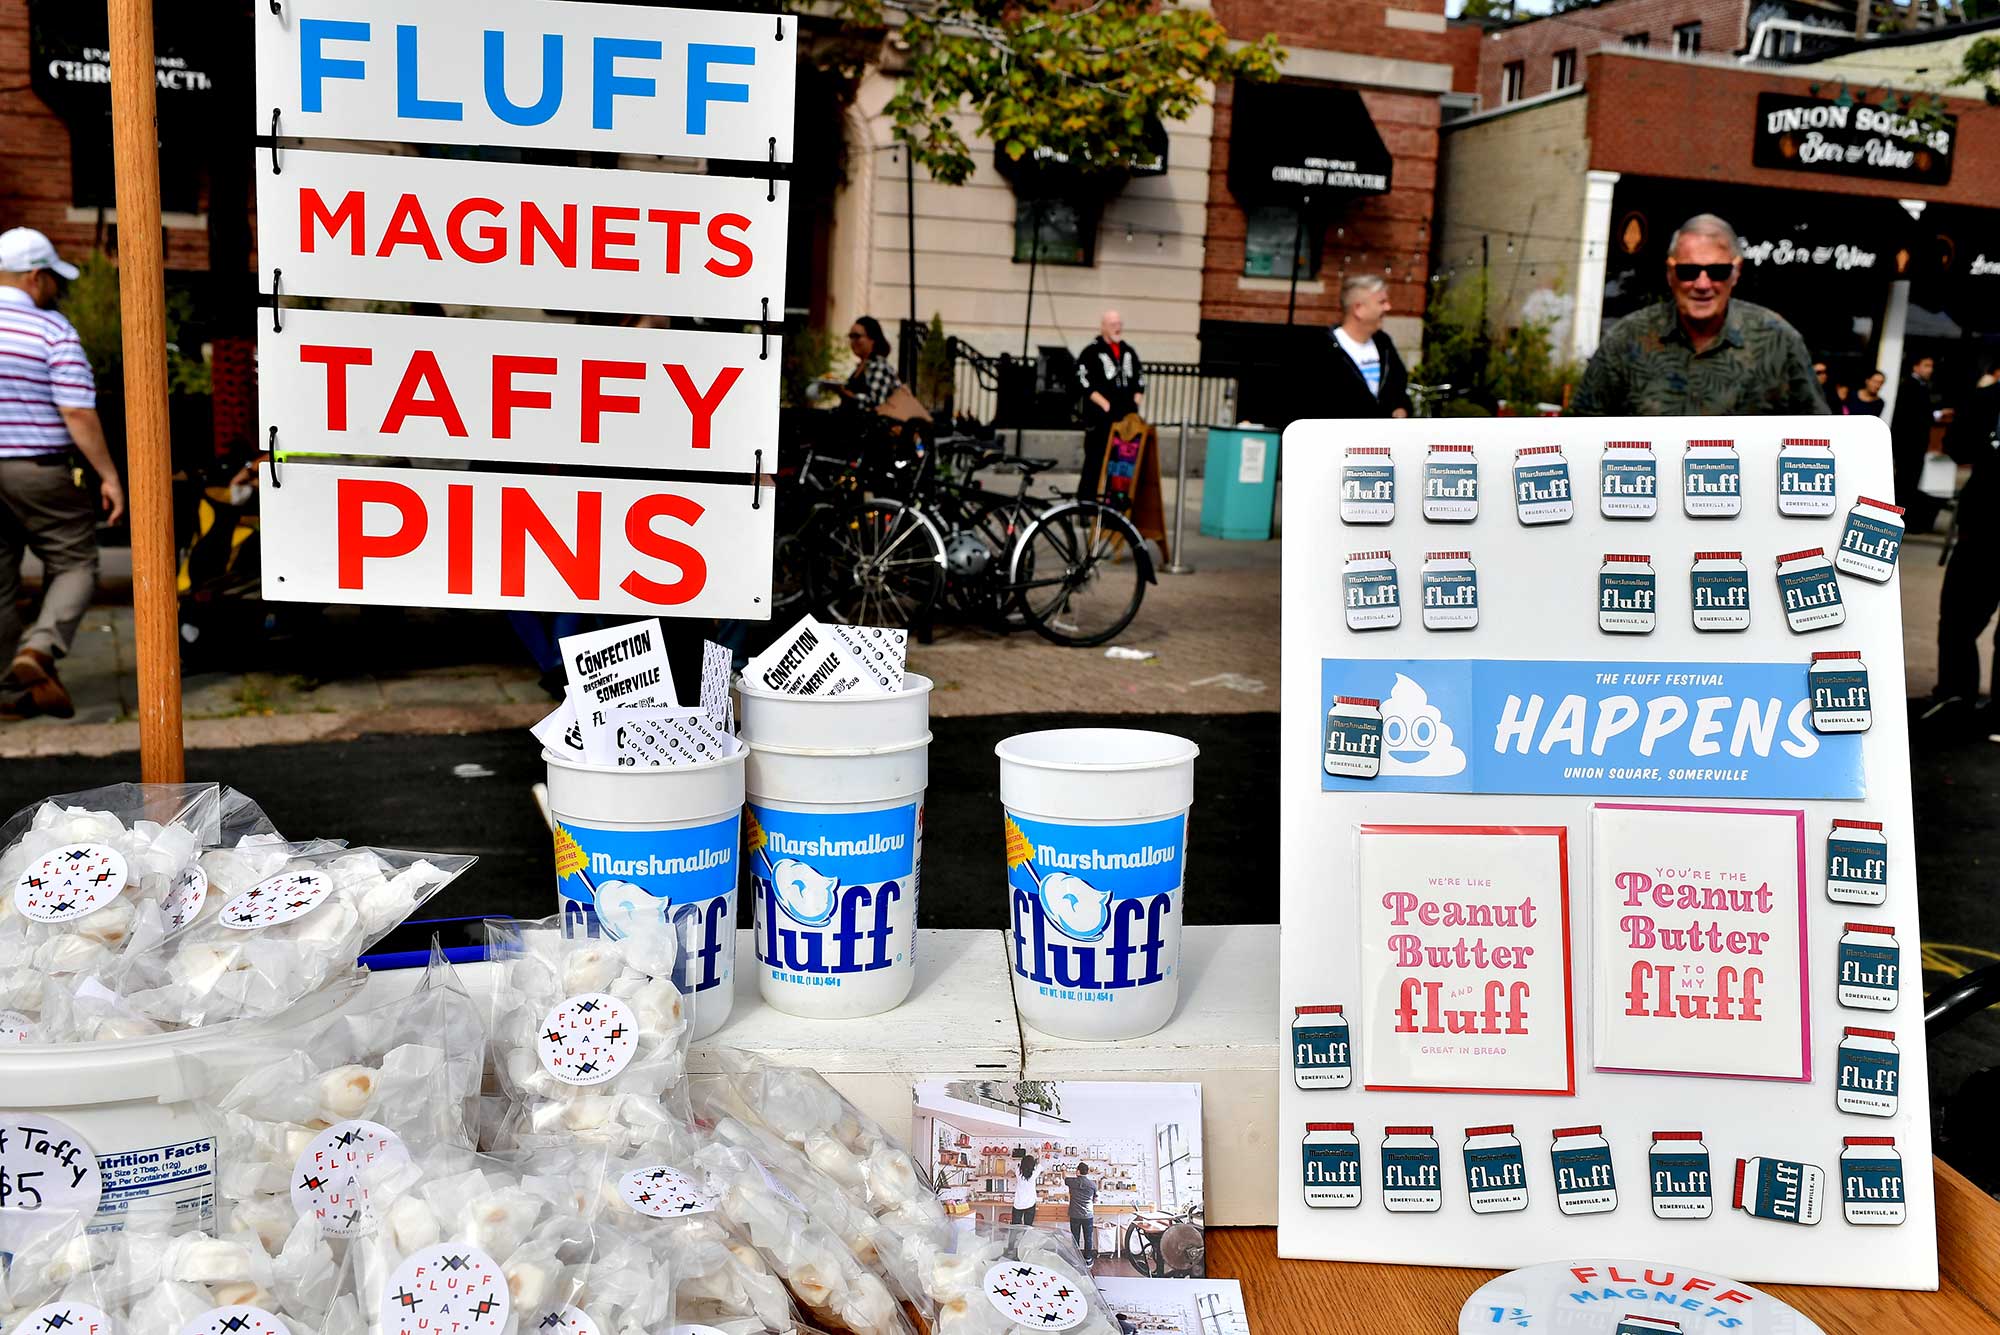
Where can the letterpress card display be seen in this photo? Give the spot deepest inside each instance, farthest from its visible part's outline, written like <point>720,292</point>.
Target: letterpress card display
<point>1465,958</point>
<point>1701,961</point>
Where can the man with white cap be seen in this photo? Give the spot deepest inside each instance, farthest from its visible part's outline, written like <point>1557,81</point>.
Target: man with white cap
<point>49,404</point>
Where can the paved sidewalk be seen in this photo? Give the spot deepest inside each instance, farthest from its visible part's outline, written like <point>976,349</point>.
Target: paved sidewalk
<point>1213,634</point>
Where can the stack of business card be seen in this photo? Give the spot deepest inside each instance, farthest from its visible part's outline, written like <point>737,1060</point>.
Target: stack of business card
<point>621,708</point>
<point>814,658</point>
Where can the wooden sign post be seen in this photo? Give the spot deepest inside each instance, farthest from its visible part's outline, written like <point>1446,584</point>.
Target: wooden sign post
<point>142,302</point>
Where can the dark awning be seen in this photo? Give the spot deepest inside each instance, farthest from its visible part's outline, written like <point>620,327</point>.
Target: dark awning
<point>69,68</point>
<point>1294,142</point>
<point>1046,168</point>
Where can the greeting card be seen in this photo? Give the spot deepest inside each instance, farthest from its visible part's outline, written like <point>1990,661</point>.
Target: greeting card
<point>1700,933</point>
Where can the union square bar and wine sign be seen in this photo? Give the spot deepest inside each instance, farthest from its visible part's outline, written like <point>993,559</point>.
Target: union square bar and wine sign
<point>1816,134</point>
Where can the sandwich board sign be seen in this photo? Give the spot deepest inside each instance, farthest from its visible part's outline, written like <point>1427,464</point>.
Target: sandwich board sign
<point>1598,887</point>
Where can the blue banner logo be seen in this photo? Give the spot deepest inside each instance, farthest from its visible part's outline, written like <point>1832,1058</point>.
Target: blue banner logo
<point>833,886</point>
<point>1596,729</point>
<point>684,876</point>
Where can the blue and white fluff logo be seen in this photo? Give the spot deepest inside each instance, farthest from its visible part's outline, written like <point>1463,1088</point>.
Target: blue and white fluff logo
<point>804,894</point>
<point>1079,908</point>
<point>626,910</point>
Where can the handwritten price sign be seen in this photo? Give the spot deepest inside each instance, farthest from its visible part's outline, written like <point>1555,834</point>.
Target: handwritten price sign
<point>48,1178</point>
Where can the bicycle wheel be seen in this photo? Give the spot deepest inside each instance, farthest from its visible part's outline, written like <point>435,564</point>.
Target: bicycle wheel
<point>1080,572</point>
<point>880,563</point>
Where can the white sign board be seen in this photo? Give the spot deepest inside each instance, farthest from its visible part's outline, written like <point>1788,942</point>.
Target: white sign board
<point>1744,998</point>
<point>392,228</point>
<point>518,392</point>
<point>530,73</point>
<point>436,538</point>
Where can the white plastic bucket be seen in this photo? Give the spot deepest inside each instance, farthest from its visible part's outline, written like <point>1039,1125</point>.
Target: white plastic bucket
<point>1096,857</point>
<point>132,1101</point>
<point>636,845</point>
<point>836,787</point>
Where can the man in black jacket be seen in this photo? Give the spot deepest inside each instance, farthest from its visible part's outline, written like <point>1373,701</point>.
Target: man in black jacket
<point>1362,375</point>
<point>1910,440</point>
<point>1971,590</point>
<point>1114,384</point>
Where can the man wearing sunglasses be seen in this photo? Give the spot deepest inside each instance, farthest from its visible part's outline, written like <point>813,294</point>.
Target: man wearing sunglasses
<point>1700,352</point>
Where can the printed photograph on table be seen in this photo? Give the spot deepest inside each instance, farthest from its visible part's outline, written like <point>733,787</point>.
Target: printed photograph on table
<point>1114,1167</point>
<point>1701,955</point>
<point>1465,958</point>
<point>1175,1306</point>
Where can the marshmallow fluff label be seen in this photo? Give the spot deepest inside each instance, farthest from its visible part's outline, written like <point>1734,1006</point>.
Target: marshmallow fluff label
<point>1412,1173</point>
<point>1867,1072</point>
<point>1678,1170</point>
<point>1354,737</point>
<point>1871,1180</point>
<point>1719,591</point>
<point>1332,1166</point>
<point>283,898</point>
<point>1541,486</point>
<point>587,1039</point>
<point>1496,1177</point>
<point>1368,588</point>
<point>1857,863</point>
<point>836,891</point>
<point>1450,591</point>
<point>1873,537</point>
<point>1628,481</point>
<point>661,1192</point>
<point>1322,1057</point>
<point>1780,1189</point>
<point>1867,967</point>
<point>1805,479</point>
<point>1626,594</point>
<point>237,1319</point>
<point>1837,689</point>
<point>627,880</point>
<point>330,1180</point>
<point>70,882</point>
<point>1711,480</point>
<point>1581,1158</point>
<point>1451,485</point>
<point>1808,591</point>
<point>1095,909</point>
<point>1367,486</point>
<point>450,1288</point>
<point>1036,1297</point>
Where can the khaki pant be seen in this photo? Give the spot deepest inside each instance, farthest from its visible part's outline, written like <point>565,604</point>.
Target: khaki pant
<point>43,509</point>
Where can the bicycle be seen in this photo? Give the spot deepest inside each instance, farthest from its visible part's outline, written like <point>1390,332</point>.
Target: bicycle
<point>1074,571</point>
<point>1165,1244</point>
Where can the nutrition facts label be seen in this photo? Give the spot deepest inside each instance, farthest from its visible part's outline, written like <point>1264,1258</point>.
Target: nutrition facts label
<point>182,1172</point>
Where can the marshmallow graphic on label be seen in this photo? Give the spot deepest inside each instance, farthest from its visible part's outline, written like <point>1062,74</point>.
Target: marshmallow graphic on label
<point>1415,738</point>
<point>626,909</point>
<point>1079,908</point>
<point>808,896</point>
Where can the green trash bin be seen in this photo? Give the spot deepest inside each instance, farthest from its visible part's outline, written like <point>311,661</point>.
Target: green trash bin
<point>1239,484</point>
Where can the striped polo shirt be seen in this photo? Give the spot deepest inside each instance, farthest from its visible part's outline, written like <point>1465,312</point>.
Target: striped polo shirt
<point>42,369</point>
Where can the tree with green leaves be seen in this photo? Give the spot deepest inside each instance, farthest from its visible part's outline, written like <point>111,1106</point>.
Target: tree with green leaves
<point>1981,65</point>
<point>1079,81</point>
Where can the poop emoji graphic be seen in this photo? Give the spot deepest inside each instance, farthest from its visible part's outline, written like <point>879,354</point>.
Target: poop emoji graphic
<point>1078,907</point>
<point>1415,738</point>
<point>806,895</point>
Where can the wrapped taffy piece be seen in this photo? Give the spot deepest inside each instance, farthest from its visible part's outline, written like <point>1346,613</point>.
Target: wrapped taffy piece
<point>1008,1280</point>
<point>590,1035</point>
<point>299,1118</point>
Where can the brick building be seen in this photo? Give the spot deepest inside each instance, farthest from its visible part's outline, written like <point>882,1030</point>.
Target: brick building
<point>1546,54</point>
<point>1871,232</point>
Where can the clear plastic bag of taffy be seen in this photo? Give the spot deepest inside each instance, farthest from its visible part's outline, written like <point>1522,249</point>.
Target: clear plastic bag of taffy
<point>799,1107</point>
<point>1008,1280</point>
<point>82,873</point>
<point>277,940</point>
<point>590,1035</point>
<point>663,1200</point>
<point>298,1116</point>
<point>469,1243</point>
<point>619,1287</point>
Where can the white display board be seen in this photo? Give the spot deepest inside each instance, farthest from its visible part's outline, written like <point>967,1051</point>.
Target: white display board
<point>519,392</point>
<point>697,83</point>
<point>1690,779</point>
<point>393,228</point>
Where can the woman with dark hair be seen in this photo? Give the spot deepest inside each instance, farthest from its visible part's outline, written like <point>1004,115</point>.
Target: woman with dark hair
<point>874,378</point>
<point>1026,1169</point>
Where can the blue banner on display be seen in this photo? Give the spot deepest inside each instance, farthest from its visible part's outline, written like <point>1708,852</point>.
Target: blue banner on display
<point>1594,729</point>
<point>683,875</point>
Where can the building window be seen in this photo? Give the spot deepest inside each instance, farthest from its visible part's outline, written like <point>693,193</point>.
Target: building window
<point>1068,231</point>
<point>1687,39</point>
<point>1176,1165</point>
<point>1562,71</point>
<point>1271,235</point>
<point>1639,41</point>
<point>1510,81</point>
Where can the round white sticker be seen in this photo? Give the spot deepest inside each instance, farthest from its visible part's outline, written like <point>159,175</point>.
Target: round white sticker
<point>1628,1297</point>
<point>182,903</point>
<point>67,883</point>
<point>280,899</point>
<point>665,1193</point>
<point>452,1286</point>
<point>588,1039</point>
<point>694,1330</point>
<point>48,1178</point>
<point>329,1182</point>
<point>67,1319</point>
<point>1033,1296</point>
<point>16,1028</point>
<point>566,1321</point>
<point>236,1320</point>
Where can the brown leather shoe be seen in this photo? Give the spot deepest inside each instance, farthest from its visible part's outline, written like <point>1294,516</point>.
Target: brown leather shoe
<point>34,671</point>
